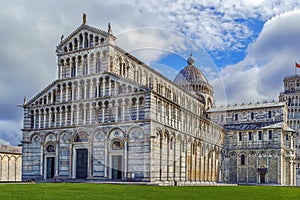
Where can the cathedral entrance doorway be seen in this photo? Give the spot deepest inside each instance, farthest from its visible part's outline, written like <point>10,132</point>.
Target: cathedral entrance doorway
<point>50,167</point>
<point>116,167</point>
<point>262,174</point>
<point>263,177</point>
<point>81,163</point>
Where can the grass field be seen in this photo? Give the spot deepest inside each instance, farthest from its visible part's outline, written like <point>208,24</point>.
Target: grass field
<point>75,191</point>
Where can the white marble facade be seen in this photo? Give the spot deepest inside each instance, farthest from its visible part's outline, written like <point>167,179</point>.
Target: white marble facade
<point>259,145</point>
<point>109,116</point>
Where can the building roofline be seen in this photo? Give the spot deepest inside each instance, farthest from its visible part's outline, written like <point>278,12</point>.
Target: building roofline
<point>246,106</point>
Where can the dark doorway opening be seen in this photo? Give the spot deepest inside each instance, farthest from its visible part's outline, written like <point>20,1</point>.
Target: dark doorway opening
<point>50,167</point>
<point>81,163</point>
<point>263,177</point>
<point>116,167</point>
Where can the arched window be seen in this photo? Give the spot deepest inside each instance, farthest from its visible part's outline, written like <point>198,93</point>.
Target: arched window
<point>80,41</point>
<point>91,40</point>
<point>86,44</point>
<point>96,40</point>
<point>75,44</point>
<point>98,65</point>
<point>85,68</point>
<point>133,110</point>
<point>73,70</point>
<point>31,120</point>
<point>242,159</point>
<point>70,46</point>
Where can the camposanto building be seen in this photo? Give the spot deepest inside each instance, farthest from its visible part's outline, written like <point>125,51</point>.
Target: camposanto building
<point>10,163</point>
<point>109,116</point>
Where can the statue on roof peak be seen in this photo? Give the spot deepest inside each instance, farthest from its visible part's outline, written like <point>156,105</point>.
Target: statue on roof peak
<point>84,18</point>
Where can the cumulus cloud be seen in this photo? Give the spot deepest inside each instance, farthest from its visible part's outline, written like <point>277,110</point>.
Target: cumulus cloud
<point>214,24</point>
<point>272,56</point>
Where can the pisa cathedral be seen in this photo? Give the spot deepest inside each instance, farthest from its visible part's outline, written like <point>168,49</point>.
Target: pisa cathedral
<point>109,116</point>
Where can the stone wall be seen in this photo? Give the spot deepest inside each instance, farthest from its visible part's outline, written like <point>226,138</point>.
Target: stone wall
<point>10,163</point>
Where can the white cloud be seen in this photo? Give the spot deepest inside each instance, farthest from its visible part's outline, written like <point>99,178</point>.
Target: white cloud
<point>259,76</point>
<point>214,25</point>
<point>150,44</point>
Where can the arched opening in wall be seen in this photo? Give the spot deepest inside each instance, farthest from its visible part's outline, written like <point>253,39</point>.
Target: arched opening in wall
<point>91,40</point>
<point>243,157</point>
<point>47,118</point>
<point>69,120</point>
<point>119,110</point>
<point>99,112</point>
<point>12,169</point>
<point>85,65</point>
<point>64,92</point>
<point>102,40</point>
<point>86,43</point>
<point>141,110</point>
<point>63,116</point>
<point>73,67</point>
<point>4,168</point>
<point>32,119</point>
<point>52,117</point>
<point>106,92</point>
<point>123,69</point>
<point>63,69</point>
<point>42,120</point>
<point>70,46</point>
<point>116,159</point>
<point>133,110</point>
<point>80,160</point>
<point>127,110</point>
<point>98,63</point>
<point>113,110</point>
<point>106,112</point>
<point>112,87</point>
<point>75,43</point>
<point>80,41</point>
<point>97,40</point>
<point>50,160</point>
<point>120,67</point>
<point>58,116</point>
<point>209,103</point>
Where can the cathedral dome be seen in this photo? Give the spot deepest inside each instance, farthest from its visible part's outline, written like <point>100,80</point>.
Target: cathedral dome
<point>190,74</point>
<point>191,79</point>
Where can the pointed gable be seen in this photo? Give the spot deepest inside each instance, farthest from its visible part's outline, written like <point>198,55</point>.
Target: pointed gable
<point>84,36</point>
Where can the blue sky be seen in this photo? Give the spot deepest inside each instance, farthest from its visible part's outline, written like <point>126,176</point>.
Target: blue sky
<point>245,48</point>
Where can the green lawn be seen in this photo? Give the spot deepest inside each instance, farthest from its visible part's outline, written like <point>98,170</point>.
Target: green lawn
<point>87,191</point>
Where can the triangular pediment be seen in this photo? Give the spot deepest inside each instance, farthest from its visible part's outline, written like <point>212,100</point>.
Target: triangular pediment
<point>45,91</point>
<point>82,33</point>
